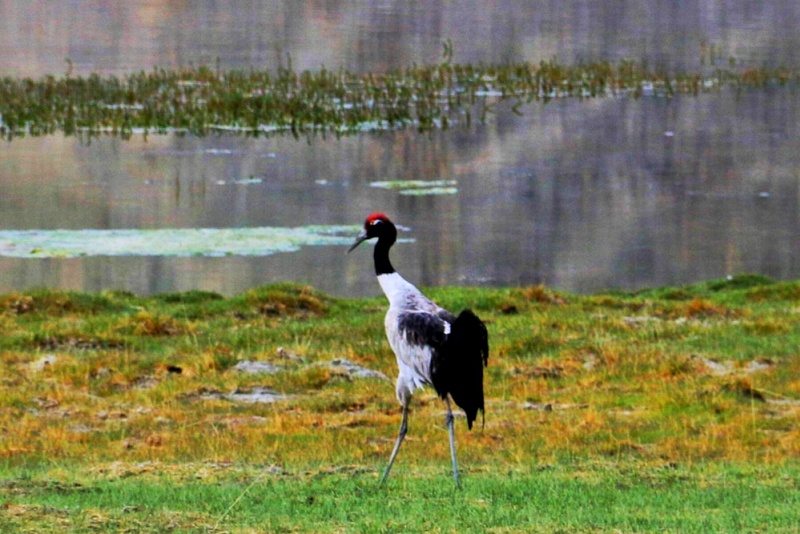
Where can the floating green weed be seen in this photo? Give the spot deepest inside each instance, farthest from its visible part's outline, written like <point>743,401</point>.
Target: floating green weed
<point>253,102</point>
<point>412,184</point>
<point>419,192</point>
<point>261,241</point>
<point>419,187</point>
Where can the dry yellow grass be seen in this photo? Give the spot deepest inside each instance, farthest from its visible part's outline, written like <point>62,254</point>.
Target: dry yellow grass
<point>106,379</point>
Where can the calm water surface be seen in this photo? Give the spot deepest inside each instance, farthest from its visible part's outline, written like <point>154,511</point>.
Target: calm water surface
<point>579,195</point>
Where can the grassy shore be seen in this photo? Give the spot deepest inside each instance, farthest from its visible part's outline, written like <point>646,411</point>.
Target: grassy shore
<point>666,409</point>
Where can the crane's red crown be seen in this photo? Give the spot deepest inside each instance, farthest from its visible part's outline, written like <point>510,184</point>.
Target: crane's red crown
<point>377,216</point>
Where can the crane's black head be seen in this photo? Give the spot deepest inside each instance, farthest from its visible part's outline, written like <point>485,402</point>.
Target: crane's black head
<point>377,225</point>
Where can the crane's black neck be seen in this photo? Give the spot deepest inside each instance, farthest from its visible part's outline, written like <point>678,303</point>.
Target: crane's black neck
<point>381,255</point>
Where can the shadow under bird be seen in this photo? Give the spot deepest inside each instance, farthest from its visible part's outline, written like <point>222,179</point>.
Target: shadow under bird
<point>433,347</point>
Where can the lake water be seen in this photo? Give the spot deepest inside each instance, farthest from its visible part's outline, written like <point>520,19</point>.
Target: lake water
<point>579,195</point>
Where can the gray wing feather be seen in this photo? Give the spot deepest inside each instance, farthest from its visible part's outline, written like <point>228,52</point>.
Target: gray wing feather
<point>423,329</point>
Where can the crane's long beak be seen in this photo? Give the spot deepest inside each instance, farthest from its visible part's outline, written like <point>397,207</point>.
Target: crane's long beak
<point>362,236</point>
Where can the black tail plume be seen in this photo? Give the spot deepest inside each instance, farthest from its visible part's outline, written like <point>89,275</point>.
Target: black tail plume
<point>457,367</point>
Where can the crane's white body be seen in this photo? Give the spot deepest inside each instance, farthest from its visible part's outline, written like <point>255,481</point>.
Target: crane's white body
<point>413,360</point>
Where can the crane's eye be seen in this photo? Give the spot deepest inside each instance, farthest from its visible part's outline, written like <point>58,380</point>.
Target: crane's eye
<point>374,222</point>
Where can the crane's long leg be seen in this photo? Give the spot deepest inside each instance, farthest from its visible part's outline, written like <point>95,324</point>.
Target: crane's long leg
<point>400,436</point>
<point>452,442</point>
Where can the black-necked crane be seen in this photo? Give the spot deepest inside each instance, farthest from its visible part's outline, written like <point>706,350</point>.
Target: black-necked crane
<point>433,347</point>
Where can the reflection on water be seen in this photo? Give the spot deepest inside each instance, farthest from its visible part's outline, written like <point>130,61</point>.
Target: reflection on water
<point>578,195</point>
<point>373,36</point>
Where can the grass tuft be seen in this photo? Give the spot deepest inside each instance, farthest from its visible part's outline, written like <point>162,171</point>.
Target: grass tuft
<point>286,299</point>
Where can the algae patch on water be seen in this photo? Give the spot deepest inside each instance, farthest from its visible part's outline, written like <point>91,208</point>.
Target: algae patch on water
<point>419,187</point>
<point>261,241</point>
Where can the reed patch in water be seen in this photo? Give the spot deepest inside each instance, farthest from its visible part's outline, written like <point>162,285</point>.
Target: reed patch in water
<point>202,100</point>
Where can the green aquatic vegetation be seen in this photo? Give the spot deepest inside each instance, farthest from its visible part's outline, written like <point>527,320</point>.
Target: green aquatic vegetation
<point>412,184</point>
<point>419,187</point>
<point>241,181</point>
<point>253,102</point>
<point>261,241</point>
<point>417,192</point>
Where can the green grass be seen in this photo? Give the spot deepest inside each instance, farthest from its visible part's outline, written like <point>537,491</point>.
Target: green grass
<point>671,409</point>
<point>615,496</point>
